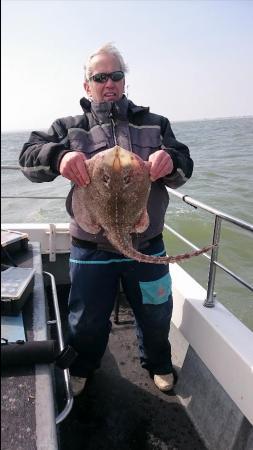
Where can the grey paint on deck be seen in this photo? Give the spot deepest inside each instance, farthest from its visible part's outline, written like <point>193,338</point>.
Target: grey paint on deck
<point>121,408</point>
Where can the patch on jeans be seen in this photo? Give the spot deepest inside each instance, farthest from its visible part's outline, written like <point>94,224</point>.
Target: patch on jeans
<point>156,292</point>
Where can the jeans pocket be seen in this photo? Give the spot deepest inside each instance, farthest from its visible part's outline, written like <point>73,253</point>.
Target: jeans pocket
<point>157,291</point>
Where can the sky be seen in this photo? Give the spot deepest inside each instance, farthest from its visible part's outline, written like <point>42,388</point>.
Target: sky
<point>188,60</point>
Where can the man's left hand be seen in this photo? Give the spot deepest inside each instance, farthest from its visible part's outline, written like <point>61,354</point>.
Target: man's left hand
<point>161,164</point>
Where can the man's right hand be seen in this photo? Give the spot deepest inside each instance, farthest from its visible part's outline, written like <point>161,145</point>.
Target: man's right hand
<point>73,167</point>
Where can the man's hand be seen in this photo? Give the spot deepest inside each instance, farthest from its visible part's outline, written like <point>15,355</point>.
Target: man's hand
<point>161,164</point>
<point>73,167</point>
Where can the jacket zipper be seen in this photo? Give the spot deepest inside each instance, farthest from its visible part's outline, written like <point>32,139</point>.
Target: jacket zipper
<point>114,134</point>
<point>113,130</point>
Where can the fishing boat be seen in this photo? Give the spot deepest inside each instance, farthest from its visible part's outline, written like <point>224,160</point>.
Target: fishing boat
<point>211,406</point>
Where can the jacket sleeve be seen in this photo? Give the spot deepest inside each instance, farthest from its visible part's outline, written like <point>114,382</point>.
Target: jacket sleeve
<point>180,154</point>
<point>40,156</point>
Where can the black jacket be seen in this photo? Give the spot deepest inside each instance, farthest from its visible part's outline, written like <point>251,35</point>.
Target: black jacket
<point>101,126</point>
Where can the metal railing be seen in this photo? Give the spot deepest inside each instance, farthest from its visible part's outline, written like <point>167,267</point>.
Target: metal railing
<point>69,402</point>
<point>40,197</point>
<point>219,217</point>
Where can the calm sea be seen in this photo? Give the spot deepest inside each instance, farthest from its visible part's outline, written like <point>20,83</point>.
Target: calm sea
<point>222,151</point>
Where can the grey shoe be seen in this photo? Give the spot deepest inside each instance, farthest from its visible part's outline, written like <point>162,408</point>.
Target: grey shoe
<point>164,382</point>
<point>77,385</point>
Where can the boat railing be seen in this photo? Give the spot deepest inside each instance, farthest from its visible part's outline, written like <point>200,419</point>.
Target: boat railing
<point>219,218</point>
<point>69,401</point>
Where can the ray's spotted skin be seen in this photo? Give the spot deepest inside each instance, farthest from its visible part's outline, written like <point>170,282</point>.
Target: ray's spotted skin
<point>116,199</point>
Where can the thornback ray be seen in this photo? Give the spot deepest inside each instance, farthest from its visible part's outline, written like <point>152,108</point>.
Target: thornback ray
<point>115,201</point>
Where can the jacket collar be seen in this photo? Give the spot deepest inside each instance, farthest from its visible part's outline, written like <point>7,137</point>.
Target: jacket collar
<point>106,110</point>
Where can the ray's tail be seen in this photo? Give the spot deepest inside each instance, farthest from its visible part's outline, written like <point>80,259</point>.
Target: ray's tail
<point>166,259</point>
<point>125,247</point>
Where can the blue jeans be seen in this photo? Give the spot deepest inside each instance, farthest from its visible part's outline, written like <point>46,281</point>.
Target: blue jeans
<point>95,276</point>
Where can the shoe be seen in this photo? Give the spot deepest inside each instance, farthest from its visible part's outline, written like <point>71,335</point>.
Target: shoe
<point>164,382</point>
<point>77,385</point>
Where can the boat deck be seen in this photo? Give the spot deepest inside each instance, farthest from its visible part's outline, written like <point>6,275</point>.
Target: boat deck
<point>27,403</point>
<point>121,408</point>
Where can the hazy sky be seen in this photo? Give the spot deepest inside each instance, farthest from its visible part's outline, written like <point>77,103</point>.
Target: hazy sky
<point>187,59</point>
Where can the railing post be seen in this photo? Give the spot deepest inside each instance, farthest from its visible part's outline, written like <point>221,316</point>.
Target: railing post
<point>209,302</point>
<point>52,242</point>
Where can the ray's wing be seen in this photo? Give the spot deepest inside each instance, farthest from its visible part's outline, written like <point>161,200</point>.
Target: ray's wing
<point>81,206</point>
<point>143,223</point>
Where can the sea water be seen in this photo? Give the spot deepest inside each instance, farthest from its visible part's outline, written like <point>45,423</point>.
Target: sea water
<point>222,150</point>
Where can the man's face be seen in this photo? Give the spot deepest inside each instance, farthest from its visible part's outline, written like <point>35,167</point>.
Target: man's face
<point>110,90</point>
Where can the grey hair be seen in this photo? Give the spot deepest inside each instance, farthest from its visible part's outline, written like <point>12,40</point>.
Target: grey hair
<point>109,49</point>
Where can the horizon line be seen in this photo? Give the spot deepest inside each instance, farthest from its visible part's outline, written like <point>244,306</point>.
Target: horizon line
<point>23,130</point>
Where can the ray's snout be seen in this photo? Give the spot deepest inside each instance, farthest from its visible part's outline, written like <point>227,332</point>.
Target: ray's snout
<point>118,158</point>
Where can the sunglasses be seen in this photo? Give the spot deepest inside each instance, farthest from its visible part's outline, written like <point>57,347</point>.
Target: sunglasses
<point>103,77</point>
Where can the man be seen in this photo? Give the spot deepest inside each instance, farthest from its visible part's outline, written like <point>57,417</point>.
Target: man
<point>110,119</point>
